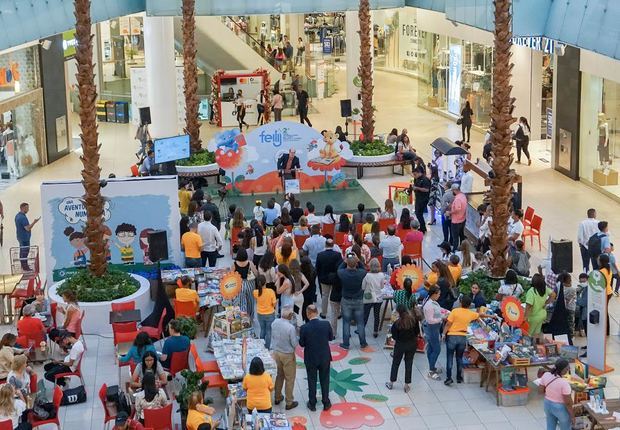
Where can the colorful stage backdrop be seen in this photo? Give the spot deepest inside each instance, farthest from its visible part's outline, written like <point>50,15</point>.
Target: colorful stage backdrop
<point>250,160</point>
<point>133,208</point>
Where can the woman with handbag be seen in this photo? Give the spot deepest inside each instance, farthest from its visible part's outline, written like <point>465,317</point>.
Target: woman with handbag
<point>558,402</point>
<point>466,120</point>
<point>372,285</point>
<point>433,318</point>
<point>522,139</point>
<point>405,333</point>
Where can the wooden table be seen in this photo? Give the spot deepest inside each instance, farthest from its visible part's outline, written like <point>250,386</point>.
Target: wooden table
<point>132,315</point>
<point>400,185</point>
<point>604,420</point>
<point>8,283</point>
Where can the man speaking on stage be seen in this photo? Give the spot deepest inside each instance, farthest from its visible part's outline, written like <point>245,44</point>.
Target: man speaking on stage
<point>288,165</point>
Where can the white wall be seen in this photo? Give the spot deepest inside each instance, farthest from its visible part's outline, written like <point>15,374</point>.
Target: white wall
<point>600,65</point>
<point>435,22</point>
<point>527,86</point>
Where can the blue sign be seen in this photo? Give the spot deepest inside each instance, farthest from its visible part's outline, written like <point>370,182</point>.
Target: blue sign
<point>549,122</point>
<point>454,80</point>
<point>328,45</point>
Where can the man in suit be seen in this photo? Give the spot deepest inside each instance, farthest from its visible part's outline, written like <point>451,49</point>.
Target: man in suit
<point>327,263</point>
<point>287,164</point>
<point>314,337</point>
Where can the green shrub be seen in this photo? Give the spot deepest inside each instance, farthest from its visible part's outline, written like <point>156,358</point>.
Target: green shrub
<point>192,382</point>
<point>371,149</point>
<point>188,327</point>
<point>201,158</point>
<point>488,285</point>
<point>111,286</point>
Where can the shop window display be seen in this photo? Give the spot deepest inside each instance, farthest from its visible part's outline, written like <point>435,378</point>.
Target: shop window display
<point>599,144</point>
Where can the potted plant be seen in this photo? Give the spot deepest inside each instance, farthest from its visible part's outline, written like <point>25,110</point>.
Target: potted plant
<point>488,284</point>
<point>188,327</point>
<point>192,381</point>
<point>199,161</point>
<point>375,151</point>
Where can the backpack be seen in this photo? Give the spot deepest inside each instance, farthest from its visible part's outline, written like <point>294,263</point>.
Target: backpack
<point>594,245</point>
<point>116,398</point>
<point>522,263</point>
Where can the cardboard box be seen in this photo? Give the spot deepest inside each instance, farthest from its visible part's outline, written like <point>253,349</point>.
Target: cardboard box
<point>600,178</point>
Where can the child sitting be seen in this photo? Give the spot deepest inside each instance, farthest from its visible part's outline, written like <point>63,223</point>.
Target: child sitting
<point>367,226</point>
<point>259,212</point>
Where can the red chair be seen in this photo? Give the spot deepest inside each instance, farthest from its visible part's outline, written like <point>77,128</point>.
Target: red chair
<point>384,223</point>
<point>179,361</point>
<point>125,337</point>
<point>358,227</point>
<point>533,230</point>
<point>288,228</point>
<point>402,233</point>
<point>156,332</point>
<point>53,311</point>
<point>102,396</point>
<point>300,240</point>
<point>328,229</point>
<point>185,309</point>
<point>216,380</point>
<point>135,171</point>
<point>78,372</point>
<point>203,366</point>
<point>57,399</point>
<point>159,418</point>
<point>527,217</point>
<point>33,382</point>
<point>6,425</point>
<point>340,238</point>
<point>414,250</point>
<point>234,237</point>
<point>124,306</point>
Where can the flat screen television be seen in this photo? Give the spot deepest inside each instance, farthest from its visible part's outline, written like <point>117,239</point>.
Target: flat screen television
<point>171,148</point>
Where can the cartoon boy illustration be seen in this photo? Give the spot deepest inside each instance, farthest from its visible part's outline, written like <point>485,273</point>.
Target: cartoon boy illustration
<point>77,239</point>
<point>126,235</point>
<point>107,234</point>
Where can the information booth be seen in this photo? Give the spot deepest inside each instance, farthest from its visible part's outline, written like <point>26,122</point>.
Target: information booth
<point>229,83</point>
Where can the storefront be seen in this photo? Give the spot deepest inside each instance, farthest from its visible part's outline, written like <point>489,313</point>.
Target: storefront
<point>599,146</point>
<point>22,130</point>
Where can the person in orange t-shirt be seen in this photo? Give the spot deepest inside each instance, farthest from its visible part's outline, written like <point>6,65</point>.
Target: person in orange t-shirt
<point>191,243</point>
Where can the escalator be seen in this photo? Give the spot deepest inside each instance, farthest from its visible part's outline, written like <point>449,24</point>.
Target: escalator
<point>220,48</point>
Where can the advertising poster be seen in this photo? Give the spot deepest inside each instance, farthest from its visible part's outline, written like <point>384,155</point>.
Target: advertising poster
<point>454,80</point>
<point>133,208</point>
<point>597,322</point>
<point>251,160</point>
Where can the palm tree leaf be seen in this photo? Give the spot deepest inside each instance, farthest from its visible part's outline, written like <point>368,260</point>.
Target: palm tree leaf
<point>352,386</point>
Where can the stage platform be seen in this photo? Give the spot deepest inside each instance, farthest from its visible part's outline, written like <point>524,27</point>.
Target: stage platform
<point>345,200</point>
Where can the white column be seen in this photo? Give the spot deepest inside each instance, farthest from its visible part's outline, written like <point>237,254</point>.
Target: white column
<point>527,86</point>
<point>352,39</point>
<point>161,75</point>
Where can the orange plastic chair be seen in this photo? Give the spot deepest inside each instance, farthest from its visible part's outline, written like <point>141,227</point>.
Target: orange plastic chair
<point>402,233</point>
<point>216,380</point>
<point>533,230</point>
<point>328,229</point>
<point>234,237</point>
<point>124,306</point>
<point>340,238</point>
<point>185,309</point>
<point>6,425</point>
<point>288,228</point>
<point>529,214</point>
<point>203,366</point>
<point>414,250</point>
<point>33,382</point>
<point>300,240</point>
<point>102,396</point>
<point>125,337</point>
<point>156,332</point>
<point>135,172</point>
<point>384,223</point>
<point>358,227</point>
<point>57,399</point>
<point>53,311</point>
<point>78,372</point>
<point>159,418</point>
<point>179,361</point>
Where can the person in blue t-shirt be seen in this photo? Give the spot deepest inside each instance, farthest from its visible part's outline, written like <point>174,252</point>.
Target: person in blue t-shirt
<point>23,228</point>
<point>175,343</point>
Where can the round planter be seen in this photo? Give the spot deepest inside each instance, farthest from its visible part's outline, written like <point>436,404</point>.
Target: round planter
<point>197,169</point>
<point>97,314</point>
<point>372,158</point>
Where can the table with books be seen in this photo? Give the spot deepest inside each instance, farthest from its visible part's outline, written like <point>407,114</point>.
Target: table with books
<point>234,356</point>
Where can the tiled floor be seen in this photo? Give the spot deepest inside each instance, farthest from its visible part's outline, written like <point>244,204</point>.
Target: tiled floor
<point>560,201</point>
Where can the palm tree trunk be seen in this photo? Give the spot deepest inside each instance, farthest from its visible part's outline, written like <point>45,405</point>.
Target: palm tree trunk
<point>190,76</point>
<point>365,71</point>
<point>501,119</point>
<point>92,199</point>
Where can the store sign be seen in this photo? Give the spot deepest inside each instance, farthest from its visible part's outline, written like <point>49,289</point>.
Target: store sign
<point>9,75</point>
<point>454,80</point>
<point>539,43</point>
<point>69,43</point>
<point>327,45</point>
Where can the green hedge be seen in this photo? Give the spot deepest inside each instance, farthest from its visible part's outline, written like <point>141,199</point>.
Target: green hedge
<point>113,285</point>
<point>198,159</point>
<point>488,285</point>
<point>371,149</point>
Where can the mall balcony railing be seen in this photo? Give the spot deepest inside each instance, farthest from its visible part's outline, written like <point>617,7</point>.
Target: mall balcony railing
<point>252,42</point>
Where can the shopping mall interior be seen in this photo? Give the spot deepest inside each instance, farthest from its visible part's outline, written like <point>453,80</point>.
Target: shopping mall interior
<point>195,108</point>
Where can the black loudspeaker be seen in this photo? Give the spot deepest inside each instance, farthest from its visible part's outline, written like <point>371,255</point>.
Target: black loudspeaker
<point>145,115</point>
<point>345,108</point>
<point>561,256</point>
<point>158,245</point>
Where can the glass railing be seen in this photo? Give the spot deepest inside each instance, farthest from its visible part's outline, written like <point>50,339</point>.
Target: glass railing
<point>258,46</point>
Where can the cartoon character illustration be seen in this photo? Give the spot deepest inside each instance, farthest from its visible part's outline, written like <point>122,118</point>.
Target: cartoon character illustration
<point>144,244</point>
<point>312,145</point>
<point>329,151</point>
<point>125,234</point>
<point>250,170</point>
<point>77,239</point>
<point>230,140</point>
<point>107,234</point>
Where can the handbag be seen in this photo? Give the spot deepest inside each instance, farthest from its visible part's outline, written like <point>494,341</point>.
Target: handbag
<point>420,344</point>
<point>459,121</point>
<point>73,396</point>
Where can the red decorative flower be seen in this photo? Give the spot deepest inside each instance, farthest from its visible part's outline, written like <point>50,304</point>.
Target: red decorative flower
<point>228,159</point>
